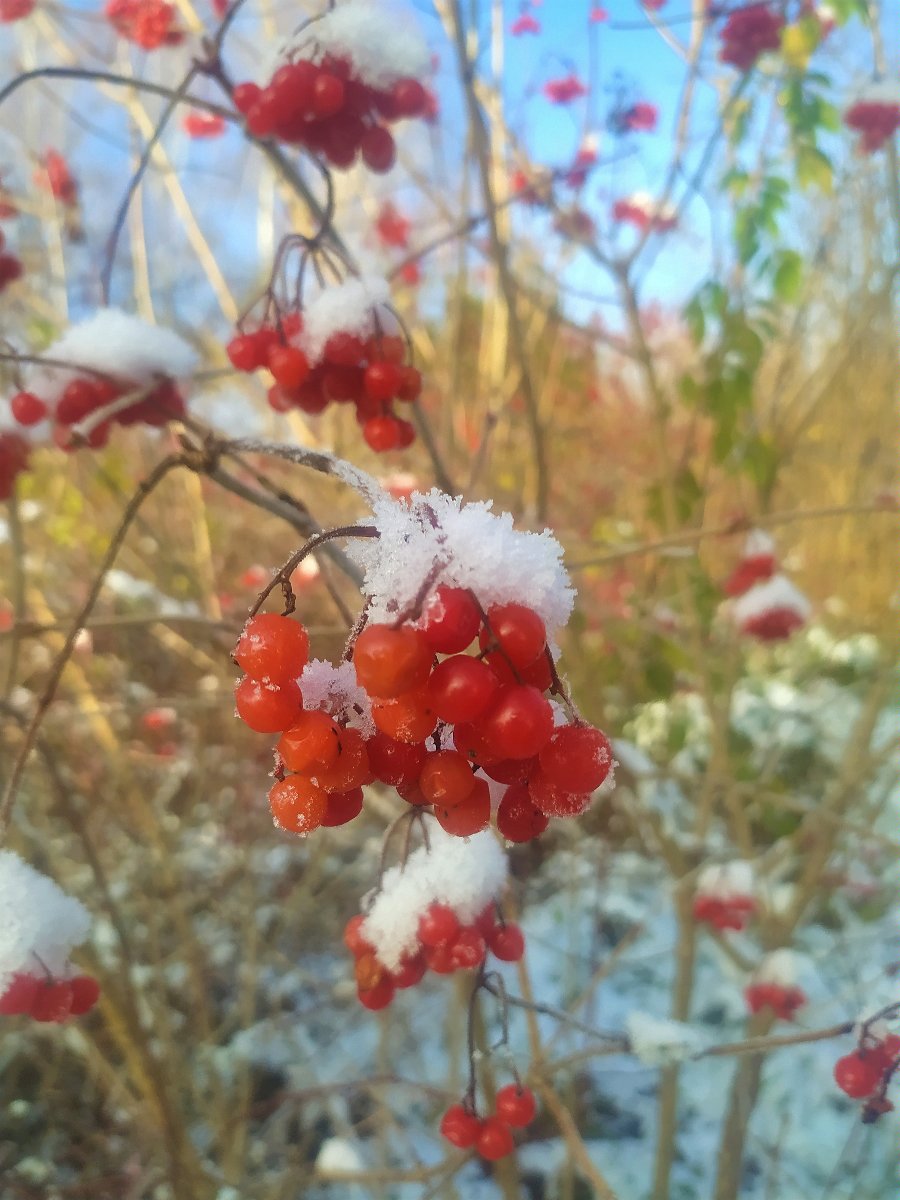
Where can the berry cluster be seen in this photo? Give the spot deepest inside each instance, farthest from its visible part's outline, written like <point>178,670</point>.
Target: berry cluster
<point>865,1073</point>
<point>370,373</point>
<point>724,897</point>
<point>85,395</point>
<point>14,452</point>
<point>55,175</point>
<point>15,10</point>
<point>757,564</point>
<point>327,109</point>
<point>150,24</point>
<point>491,1136</point>
<point>783,1001</point>
<point>642,211</point>
<point>748,33</point>
<point>767,606</point>
<point>423,688</point>
<point>875,121</point>
<point>203,125</point>
<point>11,267</point>
<point>444,945</point>
<point>565,90</point>
<point>48,999</point>
<point>640,117</point>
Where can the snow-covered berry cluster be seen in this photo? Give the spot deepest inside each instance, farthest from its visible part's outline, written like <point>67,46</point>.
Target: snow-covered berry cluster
<point>339,83</point>
<point>490,1136</point>
<point>867,1071</point>
<point>435,912</point>
<point>39,927</point>
<point>446,691</point>
<point>725,896</point>
<point>774,988</point>
<point>150,24</point>
<point>111,369</point>
<point>748,33</point>
<point>767,605</point>
<point>640,209</point>
<point>341,348</point>
<point>876,120</point>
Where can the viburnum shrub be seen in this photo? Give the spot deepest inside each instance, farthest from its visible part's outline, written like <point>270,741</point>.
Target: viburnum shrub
<point>748,33</point>
<point>766,605</point>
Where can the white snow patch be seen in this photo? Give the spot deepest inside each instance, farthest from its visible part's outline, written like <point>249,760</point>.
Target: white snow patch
<point>334,690</point>
<point>348,307</point>
<point>726,880</point>
<point>758,543</point>
<point>660,1042</point>
<point>464,545</point>
<point>339,1154</point>
<point>381,41</point>
<point>775,593</point>
<point>781,967</point>
<point>39,923</point>
<point>466,874</point>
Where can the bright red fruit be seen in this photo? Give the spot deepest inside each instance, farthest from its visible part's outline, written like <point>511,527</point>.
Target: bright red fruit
<point>517,630</point>
<point>395,762</point>
<point>379,996</point>
<point>289,365</point>
<point>353,938</point>
<point>381,380</point>
<point>460,1127</point>
<point>391,661</point>
<point>518,723</point>
<point>409,718</point>
<point>461,688</point>
<point>265,707</point>
<point>52,1002</point>
<point>410,972</point>
<point>343,807</point>
<point>382,434</point>
<point>350,768</point>
<point>297,804</point>
<point>378,149</point>
<point>272,647</point>
<point>19,996</point>
<point>27,408</point>
<point>471,816</point>
<point>438,926</point>
<point>554,801</point>
<point>446,778</point>
<point>507,942</point>
<point>857,1074</point>
<point>85,994</point>
<point>451,619</point>
<point>516,1105</point>
<point>495,1139</point>
<point>577,758</point>
<point>313,741</point>
<point>468,950</point>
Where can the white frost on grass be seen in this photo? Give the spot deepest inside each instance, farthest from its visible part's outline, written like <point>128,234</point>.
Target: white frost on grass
<point>465,874</point>
<point>465,545</point>
<point>39,923</point>
<point>380,40</point>
<point>347,307</point>
<point>117,344</point>
<point>658,1042</point>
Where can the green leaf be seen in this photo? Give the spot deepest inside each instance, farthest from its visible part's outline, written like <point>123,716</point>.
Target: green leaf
<point>788,278</point>
<point>814,168</point>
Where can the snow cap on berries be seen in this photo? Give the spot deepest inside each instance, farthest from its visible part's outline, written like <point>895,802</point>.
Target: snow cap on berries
<point>775,595</point>
<point>39,923</point>
<point>725,881</point>
<point>380,44</point>
<point>758,544</point>
<point>347,307</point>
<point>117,344</point>
<point>779,967</point>
<point>334,690</point>
<point>466,874</point>
<point>439,538</point>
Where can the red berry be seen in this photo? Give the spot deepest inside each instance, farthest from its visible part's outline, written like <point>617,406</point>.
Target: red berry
<point>311,743</point>
<point>517,817</point>
<point>19,996</point>
<point>577,758</point>
<point>327,95</point>
<point>52,1002</point>
<point>468,950</point>
<point>406,433</point>
<point>408,98</point>
<point>350,768</point>
<point>461,688</point>
<point>462,820</point>
<point>511,770</point>
<point>272,647</point>
<point>381,380</point>
<point>410,972</point>
<point>409,718</point>
<point>244,352</point>
<point>451,619</point>
<point>507,942</point>
<point>378,149</point>
<point>857,1074</point>
<point>353,938</point>
<point>343,349</point>
<point>78,400</point>
<point>410,386</point>
<point>515,1105</point>
<point>85,994</point>
<point>289,365</point>
<point>297,804</point>
<point>518,723</point>
<point>382,434</point>
<point>244,96</point>
<point>446,778</point>
<point>390,661</point>
<point>440,959</point>
<point>27,408</point>
<point>343,807</point>
<point>553,801</point>
<point>438,926</point>
<point>495,1139</point>
<point>379,996</point>
<point>395,762</point>
<point>517,630</point>
<point>460,1127</point>
<point>265,707</point>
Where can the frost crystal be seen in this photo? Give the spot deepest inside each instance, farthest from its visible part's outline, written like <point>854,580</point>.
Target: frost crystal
<point>39,923</point>
<point>382,44</point>
<point>347,307</point>
<point>117,344</point>
<point>466,874</point>
<point>334,690</point>
<point>435,538</point>
<point>661,1043</point>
